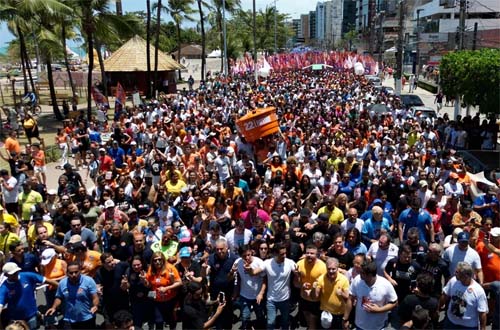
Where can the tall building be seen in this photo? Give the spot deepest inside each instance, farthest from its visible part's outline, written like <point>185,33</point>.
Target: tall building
<point>333,22</point>
<point>320,21</point>
<point>348,16</point>
<point>305,27</point>
<point>312,25</point>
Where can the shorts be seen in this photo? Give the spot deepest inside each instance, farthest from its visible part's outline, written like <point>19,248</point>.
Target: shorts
<point>40,169</point>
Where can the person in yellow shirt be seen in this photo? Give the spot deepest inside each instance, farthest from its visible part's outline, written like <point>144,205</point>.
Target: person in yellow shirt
<point>36,221</point>
<point>332,290</point>
<point>7,238</point>
<point>310,269</point>
<point>335,215</point>
<point>174,185</point>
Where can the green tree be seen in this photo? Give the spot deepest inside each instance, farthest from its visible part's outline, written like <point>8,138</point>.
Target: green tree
<point>203,4</point>
<point>180,10</point>
<point>231,6</point>
<point>475,76</point>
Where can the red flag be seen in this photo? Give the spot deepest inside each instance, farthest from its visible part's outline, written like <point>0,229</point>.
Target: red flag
<point>98,97</point>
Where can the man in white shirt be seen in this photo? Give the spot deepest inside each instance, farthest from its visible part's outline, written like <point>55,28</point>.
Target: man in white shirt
<point>279,272</point>
<point>223,165</point>
<point>352,221</point>
<point>9,191</point>
<point>238,236</point>
<point>374,298</point>
<point>466,300</point>
<point>381,252</point>
<point>251,287</point>
<point>461,251</point>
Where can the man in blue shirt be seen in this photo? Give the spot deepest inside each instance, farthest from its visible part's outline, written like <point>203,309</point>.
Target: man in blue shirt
<point>18,292</point>
<point>27,261</point>
<point>487,205</point>
<point>79,293</point>
<point>414,216</point>
<point>117,154</point>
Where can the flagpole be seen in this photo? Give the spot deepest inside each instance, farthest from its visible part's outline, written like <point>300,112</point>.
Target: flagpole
<point>225,37</point>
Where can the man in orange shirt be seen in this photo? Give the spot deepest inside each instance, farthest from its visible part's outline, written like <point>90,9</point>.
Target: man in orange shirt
<point>12,144</point>
<point>38,156</point>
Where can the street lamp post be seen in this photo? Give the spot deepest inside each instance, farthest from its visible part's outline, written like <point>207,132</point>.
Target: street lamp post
<point>224,61</point>
<point>254,44</point>
<point>417,71</point>
<point>275,28</point>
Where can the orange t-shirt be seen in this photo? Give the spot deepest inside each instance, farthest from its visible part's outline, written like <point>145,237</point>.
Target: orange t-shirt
<point>55,270</point>
<point>168,277</point>
<point>90,264</point>
<point>12,145</point>
<point>490,262</point>
<point>39,158</point>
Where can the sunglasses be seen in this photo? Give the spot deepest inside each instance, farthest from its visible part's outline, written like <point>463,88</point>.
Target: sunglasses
<point>157,260</point>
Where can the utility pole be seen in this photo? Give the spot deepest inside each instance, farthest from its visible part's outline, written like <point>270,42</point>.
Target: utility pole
<point>380,38</point>
<point>461,37</point>
<point>254,45</point>
<point>417,72</point>
<point>399,54</point>
<point>225,36</point>
<point>474,39</point>
<point>371,25</point>
<point>275,30</point>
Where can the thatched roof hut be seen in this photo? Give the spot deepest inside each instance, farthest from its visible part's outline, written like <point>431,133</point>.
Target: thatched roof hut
<point>128,66</point>
<point>190,51</point>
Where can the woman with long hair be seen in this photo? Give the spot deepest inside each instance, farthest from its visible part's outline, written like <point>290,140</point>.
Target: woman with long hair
<point>353,241</point>
<point>141,305</point>
<point>435,212</point>
<point>163,280</point>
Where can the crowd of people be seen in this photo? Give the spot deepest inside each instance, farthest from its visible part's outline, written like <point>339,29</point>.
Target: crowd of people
<point>346,218</point>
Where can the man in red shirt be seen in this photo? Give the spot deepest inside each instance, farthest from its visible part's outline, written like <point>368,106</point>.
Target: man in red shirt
<point>105,161</point>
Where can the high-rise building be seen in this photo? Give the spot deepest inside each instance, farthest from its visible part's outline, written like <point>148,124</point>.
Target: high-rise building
<point>348,16</point>
<point>320,21</point>
<point>305,27</point>
<point>312,25</point>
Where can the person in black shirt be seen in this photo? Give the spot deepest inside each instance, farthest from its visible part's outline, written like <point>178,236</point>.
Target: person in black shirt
<point>417,247</point>
<point>111,278</point>
<point>339,251</point>
<point>140,304</point>
<point>399,272</point>
<point>422,296</point>
<point>433,264</point>
<point>73,177</point>
<point>220,264</point>
<point>195,311</point>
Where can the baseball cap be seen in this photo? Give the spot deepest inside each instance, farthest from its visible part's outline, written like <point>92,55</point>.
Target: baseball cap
<point>67,166</point>
<point>10,268</point>
<point>52,192</point>
<point>75,239</point>
<point>463,237</point>
<point>423,183</point>
<point>109,203</point>
<point>323,217</point>
<point>184,190</point>
<point>47,256</point>
<point>495,232</point>
<point>185,252</point>
<point>132,210</point>
<point>102,150</point>
<point>185,235</point>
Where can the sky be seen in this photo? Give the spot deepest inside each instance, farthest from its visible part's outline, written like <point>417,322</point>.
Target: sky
<point>292,7</point>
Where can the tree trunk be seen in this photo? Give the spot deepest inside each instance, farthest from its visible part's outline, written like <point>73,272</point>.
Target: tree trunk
<point>23,67</point>
<point>219,25</point>
<point>157,44</point>
<point>98,47</point>
<point>66,61</point>
<point>148,51</point>
<point>28,66</point>
<point>178,26</point>
<point>52,90</point>
<point>203,41</point>
<point>119,10</point>
<point>90,52</point>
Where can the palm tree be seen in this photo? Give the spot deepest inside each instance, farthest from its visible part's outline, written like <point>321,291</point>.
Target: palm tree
<point>231,7</point>
<point>119,9</point>
<point>148,45</point>
<point>64,36</point>
<point>202,4</point>
<point>157,42</point>
<point>180,10</point>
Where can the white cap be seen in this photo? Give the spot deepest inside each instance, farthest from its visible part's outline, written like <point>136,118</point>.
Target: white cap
<point>10,268</point>
<point>52,192</point>
<point>47,256</point>
<point>495,232</point>
<point>109,203</point>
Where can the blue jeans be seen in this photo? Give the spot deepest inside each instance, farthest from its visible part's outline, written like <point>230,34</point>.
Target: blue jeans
<point>284,309</point>
<point>246,306</point>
